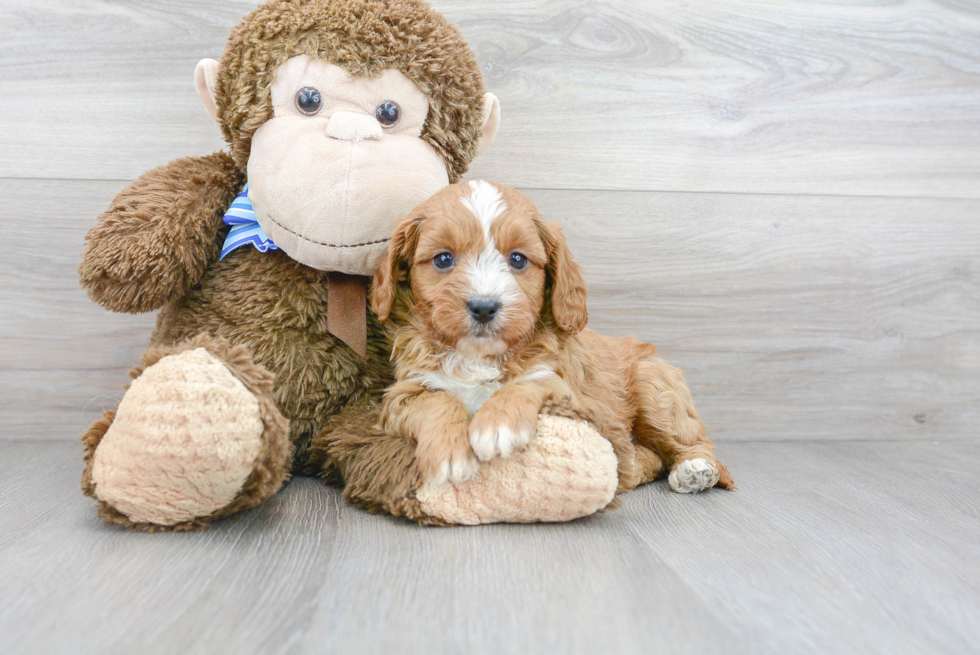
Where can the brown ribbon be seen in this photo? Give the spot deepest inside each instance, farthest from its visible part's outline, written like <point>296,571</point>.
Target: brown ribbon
<point>347,309</point>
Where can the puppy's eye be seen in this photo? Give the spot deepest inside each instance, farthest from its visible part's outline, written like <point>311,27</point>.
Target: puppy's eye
<point>517,260</point>
<point>308,100</point>
<point>443,261</point>
<point>387,113</point>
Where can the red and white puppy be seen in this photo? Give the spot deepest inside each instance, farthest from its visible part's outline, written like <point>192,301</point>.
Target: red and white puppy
<point>488,316</point>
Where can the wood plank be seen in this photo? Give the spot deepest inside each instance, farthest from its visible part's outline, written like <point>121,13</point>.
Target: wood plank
<point>850,547</point>
<point>793,317</point>
<point>299,574</point>
<point>845,547</point>
<point>721,95</point>
<point>268,556</point>
<point>63,359</point>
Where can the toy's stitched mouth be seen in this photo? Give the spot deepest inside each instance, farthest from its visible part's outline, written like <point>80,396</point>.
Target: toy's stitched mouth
<point>328,245</point>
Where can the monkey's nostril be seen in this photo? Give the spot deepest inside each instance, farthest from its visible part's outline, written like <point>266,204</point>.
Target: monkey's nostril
<point>483,310</point>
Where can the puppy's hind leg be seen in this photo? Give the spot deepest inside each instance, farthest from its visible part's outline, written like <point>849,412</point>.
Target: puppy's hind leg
<point>668,424</point>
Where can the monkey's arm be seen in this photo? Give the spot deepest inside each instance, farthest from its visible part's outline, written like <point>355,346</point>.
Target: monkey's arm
<point>160,234</point>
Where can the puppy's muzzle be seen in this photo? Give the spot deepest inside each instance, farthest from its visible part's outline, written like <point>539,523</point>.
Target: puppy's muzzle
<point>483,310</point>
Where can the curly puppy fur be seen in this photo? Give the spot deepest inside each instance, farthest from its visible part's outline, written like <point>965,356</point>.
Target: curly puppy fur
<point>471,384</point>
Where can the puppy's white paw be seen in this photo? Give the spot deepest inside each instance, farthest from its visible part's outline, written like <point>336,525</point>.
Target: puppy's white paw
<point>457,469</point>
<point>692,476</point>
<point>499,441</point>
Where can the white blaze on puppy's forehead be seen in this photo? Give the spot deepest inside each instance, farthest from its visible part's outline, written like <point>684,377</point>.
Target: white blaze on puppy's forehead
<point>489,274</point>
<point>486,203</point>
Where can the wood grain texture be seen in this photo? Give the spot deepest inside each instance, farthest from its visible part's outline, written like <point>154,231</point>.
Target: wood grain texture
<point>792,317</point>
<point>701,156</point>
<point>850,548</point>
<point>63,359</point>
<point>871,98</point>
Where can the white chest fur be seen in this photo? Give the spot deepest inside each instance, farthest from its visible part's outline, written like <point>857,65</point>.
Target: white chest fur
<point>473,381</point>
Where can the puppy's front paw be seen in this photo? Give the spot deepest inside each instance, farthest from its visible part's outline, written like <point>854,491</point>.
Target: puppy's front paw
<point>693,475</point>
<point>458,468</point>
<point>447,460</point>
<point>492,435</point>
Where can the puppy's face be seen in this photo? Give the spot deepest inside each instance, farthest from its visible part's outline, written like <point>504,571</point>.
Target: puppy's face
<point>478,269</point>
<point>480,262</point>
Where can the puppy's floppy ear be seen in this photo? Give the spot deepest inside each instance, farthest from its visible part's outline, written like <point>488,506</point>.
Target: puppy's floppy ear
<point>387,274</point>
<point>565,283</point>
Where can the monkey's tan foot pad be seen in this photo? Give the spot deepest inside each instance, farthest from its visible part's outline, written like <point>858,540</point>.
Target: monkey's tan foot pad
<point>567,471</point>
<point>184,441</point>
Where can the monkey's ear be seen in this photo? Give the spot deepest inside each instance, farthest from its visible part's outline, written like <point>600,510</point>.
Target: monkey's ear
<point>205,79</point>
<point>384,286</point>
<point>491,121</point>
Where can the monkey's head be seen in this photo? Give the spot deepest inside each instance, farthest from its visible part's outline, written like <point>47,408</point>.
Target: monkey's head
<point>345,115</point>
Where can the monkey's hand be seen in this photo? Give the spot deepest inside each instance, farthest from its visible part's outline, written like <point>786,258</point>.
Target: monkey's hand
<point>160,234</point>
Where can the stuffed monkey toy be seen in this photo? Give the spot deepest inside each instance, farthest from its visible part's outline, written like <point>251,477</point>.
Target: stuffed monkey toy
<point>340,116</point>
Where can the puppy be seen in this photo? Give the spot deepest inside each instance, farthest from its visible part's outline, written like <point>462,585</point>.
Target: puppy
<point>487,313</point>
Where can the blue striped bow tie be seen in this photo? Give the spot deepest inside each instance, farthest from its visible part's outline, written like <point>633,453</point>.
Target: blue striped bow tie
<point>244,226</point>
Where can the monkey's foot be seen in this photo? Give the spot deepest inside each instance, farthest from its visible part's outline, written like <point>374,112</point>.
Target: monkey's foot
<point>197,436</point>
<point>567,471</point>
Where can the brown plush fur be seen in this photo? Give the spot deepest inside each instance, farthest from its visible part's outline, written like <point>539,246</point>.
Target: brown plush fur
<point>379,469</point>
<point>268,302</point>
<point>277,307</point>
<point>158,245</point>
<point>271,469</point>
<point>618,384</point>
<point>160,234</point>
<point>363,37</point>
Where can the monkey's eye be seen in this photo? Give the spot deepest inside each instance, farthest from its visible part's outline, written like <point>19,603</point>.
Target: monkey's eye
<point>443,261</point>
<point>387,113</point>
<point>308,100</point>
<point>517,260</point>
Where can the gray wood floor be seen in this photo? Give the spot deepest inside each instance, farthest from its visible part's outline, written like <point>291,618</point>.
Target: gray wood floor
<point>826,547</point>
<point>783,195</point>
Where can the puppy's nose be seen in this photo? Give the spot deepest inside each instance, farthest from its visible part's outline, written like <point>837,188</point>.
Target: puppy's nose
<point>483,309</point>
